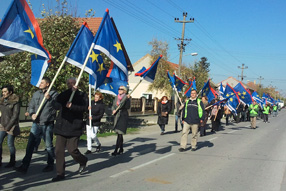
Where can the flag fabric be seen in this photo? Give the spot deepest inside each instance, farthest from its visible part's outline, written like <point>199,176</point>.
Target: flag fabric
<point>79,51</point>
<point>111,86</point>
<point>149,73</point>
<point>221,89</point>
<point>208,91</point>
<point>179,83</point>
<point>228,91</point>
<point>192,86</point>
<point>20,31</point>
<point>232,103</point>
<point>108,41</point>
<point>243,93</point>
<point>171,79</point>
<point>267,98</point>
<point>256,97</point>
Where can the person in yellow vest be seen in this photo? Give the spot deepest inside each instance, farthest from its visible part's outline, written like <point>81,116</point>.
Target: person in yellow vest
<point>266,110</point>
<point>253,112</point>
<point>275,110</point>
<point>193,115</point>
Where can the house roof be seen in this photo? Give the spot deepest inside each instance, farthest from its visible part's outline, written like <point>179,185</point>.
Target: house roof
<point>252,86</point>
<point>92,22</point>
<point>233,82</point>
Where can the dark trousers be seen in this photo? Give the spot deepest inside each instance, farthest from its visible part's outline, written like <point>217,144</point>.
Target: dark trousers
<point>71,143</point>
<point>265,117</point>
<point>227,119</point>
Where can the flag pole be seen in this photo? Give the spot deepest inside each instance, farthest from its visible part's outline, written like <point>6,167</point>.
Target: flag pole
<point>50,87</point>
<point>177,94</point>
<point>89,102</point>
<point>82,69</point>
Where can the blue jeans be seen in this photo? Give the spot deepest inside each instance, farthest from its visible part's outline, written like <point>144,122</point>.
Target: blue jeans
<point>38,131</point>
<point>178,118</point>
<point>10,141</point>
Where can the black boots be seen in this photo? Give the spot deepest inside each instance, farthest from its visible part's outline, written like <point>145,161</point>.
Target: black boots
<point>12,162</point>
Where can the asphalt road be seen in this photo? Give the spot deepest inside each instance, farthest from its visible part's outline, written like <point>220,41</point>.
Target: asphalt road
<point>234,159</point>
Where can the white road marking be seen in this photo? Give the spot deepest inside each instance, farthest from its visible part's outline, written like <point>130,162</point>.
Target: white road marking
<point>213,138</point>
<point>232,131</point>
<point>140,166</point>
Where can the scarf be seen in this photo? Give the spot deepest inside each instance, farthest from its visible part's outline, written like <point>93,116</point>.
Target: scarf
<point>119,98</point>
<point>164,102</point>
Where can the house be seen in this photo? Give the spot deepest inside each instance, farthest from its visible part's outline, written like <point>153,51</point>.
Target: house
<point>142,89</point>
<point>233,82</point>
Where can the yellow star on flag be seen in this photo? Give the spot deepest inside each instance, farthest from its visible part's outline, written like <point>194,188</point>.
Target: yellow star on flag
<point>94,56</point>
<point>30,31</point>
<point>207,89</point>
<point>243,93</point>
<point>100,68</point>
<point>231,99</point>
<point>227,95</point>
<point>242,97</point>
<point>238,93</point>
<point>118,46</point>
<point>111,87</point>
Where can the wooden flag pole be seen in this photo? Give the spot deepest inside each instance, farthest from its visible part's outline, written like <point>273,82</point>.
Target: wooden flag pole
<point>89,103</point>
<point>178,95</point>
<point>82,69</point>
<point>51,85</point>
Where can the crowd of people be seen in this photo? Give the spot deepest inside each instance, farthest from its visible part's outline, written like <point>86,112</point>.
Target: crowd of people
<point>66,120</point>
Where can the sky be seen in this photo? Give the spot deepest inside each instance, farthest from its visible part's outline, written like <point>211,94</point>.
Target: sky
<point>228,33</point>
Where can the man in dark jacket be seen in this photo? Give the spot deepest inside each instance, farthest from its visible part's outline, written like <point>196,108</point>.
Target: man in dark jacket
<point>42,126</point>
<point>193,115</point>
<point>69,127</point>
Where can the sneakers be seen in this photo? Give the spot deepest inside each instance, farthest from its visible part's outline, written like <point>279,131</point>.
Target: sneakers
<point>58,178</point>
<point>21,169</point>
<point>48,168</point>
<point>182,149</point>
<point>193,149</point>
<point>162,133</point>
<point>98,148</point>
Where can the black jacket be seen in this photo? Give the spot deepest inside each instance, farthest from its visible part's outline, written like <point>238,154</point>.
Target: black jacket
<point>163,120</point>
<point>97,111</point>
<point>69,121</point>
<point>192,112</point>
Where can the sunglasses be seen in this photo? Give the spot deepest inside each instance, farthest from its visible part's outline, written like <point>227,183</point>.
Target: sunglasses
<point>120,89</point>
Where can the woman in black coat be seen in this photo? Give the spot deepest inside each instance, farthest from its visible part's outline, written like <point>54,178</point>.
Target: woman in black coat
<point>97,110</point>
<point>163,110</point>
<point>120,107</point>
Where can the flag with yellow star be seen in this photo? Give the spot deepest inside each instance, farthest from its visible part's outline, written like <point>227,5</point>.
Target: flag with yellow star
<point>256,97</point>
<point>228,91</point>
<point>78,53</point>
<point>20,31</point>
<point>108,41</point>
<point>208,91</point>
<point>232,103</point>
<point>243,93</point>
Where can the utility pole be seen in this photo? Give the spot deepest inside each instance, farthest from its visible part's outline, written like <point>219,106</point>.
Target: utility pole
<point>242,68</point>
<point>182,45</point>
<point>260,78</point>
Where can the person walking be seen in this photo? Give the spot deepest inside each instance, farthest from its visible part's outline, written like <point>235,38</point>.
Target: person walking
<point>253,112</point>
<point>9,122</point>
<point>97,110</point>
<point>120,107</point>
<point>275,110</point>
<point>42,126</point>
<point>178,114</point>
<point>69,127</point>
<point>266,110</point>
<point>163,110</point>
<point>193,115</point>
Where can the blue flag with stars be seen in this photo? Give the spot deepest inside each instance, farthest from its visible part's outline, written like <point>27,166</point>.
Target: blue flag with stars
<point>179,83</point>
<point>232,103</point>
<point>221,89</point>
<point>243,93</point>
<point>108,41</point>
<point>228,91</point>
<point>208,91</point>
<point>149,73</point>
<point>191,87</point>
<point>78,53</point>
<point>256,97</point>
<point>171,80</point>
<point>20,31</point>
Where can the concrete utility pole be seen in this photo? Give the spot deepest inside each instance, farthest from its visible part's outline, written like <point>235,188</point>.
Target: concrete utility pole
<point>181,46</point>
<point>260,78</point>
<point>242,68</point>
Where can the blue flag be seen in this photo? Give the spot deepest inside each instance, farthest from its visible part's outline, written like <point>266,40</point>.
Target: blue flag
<point>228,91</point>
<point>171,79</point>
<point>232,103</point>
<point>78,53</point>
<point>149,73</point>
<point>108,41</point>
<point>243,93</point>
<point>191,87</point>
<point>111,86</point>
<point>208,91</point>
<point>221,89</point>
<point>179,83</point>
<point>19,31</point>
<point>256,97</point>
